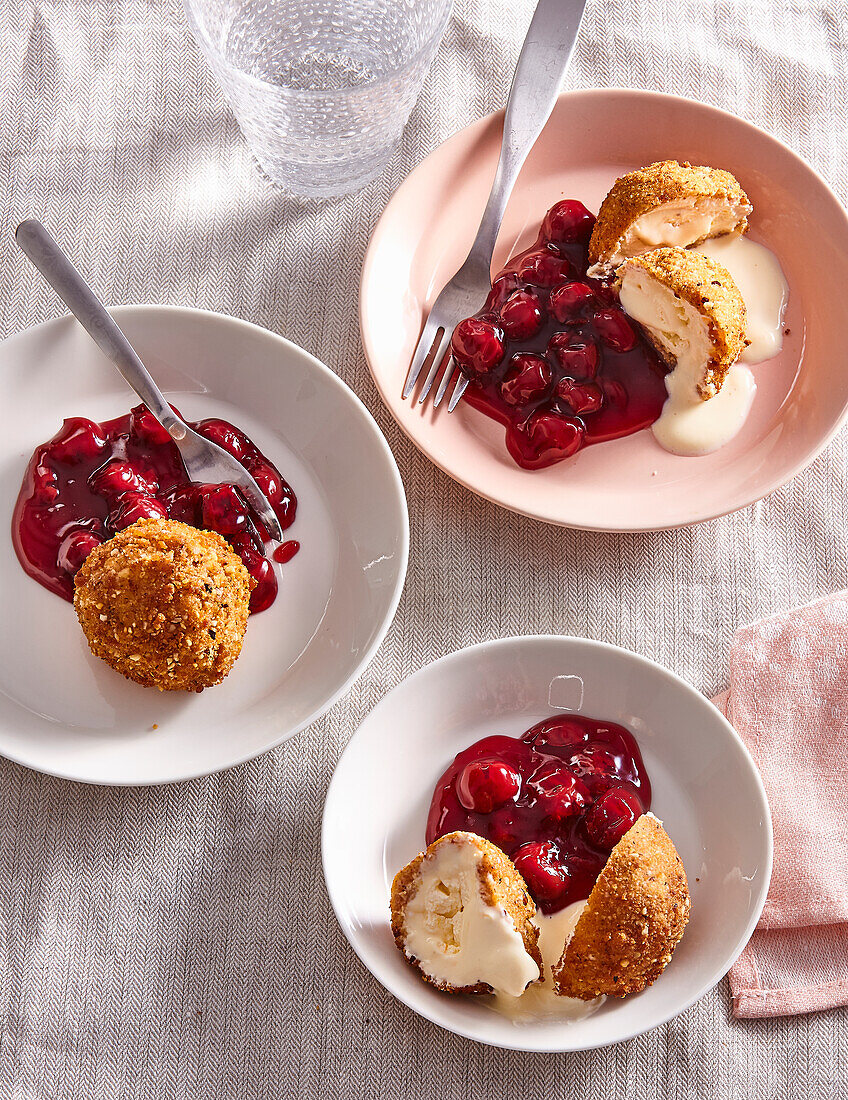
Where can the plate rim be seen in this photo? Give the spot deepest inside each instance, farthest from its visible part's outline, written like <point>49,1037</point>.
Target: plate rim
<point>367,655</point>
<point>573,523</point>
<point>565,640</point>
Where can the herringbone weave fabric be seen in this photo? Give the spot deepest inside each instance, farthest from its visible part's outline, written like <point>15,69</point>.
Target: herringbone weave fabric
<point>177,941</point>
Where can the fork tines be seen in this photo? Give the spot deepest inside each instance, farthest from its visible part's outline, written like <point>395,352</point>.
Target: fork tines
<point>431,349</point>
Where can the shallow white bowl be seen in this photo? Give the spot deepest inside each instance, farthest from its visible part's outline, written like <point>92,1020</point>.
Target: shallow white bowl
<point>706,790</point>
<point>65,712</point>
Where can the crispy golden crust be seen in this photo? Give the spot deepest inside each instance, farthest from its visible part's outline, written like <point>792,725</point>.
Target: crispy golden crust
<point>501,884</point>
<point>165,604</point>
<point>633,920</point>
<point>708,287</point>
<point>666,181</point>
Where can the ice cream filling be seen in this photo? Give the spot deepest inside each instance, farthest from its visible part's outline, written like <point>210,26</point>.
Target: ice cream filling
<point>456,936</point>
<point>539,1001</point>
<point>687,425</point>
<point>681,224</point>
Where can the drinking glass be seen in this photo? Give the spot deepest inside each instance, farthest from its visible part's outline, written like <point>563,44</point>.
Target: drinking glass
<point>321,88</point>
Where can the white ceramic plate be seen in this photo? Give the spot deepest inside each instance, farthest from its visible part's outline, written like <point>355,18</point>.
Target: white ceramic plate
<point>65,712</point>
<point>706,790</point>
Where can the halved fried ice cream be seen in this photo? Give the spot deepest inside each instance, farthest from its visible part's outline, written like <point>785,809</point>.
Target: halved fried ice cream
<point>665,204</point>
<point>633,921</point>
<point>690,309</point>
<point>462,916</point>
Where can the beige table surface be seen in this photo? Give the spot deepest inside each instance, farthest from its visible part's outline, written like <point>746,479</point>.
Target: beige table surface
<point>178,942</point>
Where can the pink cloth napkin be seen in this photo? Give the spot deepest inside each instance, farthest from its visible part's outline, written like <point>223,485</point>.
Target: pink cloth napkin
<point>788,699</point>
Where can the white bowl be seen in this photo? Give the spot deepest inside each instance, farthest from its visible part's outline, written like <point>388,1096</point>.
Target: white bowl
<point>706,790</point>
<point>65,712</point>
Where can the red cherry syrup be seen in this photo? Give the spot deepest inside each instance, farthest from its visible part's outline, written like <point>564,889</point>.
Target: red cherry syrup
<point>556,800</point>
<point>552,356</point>
<point>92,480</point>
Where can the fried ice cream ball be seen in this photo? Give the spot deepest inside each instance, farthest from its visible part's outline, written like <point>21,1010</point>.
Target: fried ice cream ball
<point>633,920</point>
<point>165,604</point>
<point>665,204</point>
<point>462,916</point>
<point>690,309</point>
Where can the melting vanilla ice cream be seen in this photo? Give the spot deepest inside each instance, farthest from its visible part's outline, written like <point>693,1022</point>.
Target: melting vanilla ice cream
<point>539,1002</point>
<point>689,425</point>
<point>758,274</point>
<point>456,936</point>
<point>679,223</point>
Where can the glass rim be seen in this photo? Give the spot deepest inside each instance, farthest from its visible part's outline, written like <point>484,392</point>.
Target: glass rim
<point>215,57</point>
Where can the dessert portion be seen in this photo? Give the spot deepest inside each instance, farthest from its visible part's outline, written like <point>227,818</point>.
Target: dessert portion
<point>551,355</point>
<point>690,309</point>
<point>556,800</point>
<point>665,204</point>
<point>93,480</point>
<point>661,236</point>
<point>692,312</point>
<point>639,318</point>
<point>164,604</point>
<point>546,881</point>
<point>634,919</point>
<point>461,915</point>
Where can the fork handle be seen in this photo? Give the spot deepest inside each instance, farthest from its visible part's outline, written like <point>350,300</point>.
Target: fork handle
<point>538,76</point>
<point>36,243</point>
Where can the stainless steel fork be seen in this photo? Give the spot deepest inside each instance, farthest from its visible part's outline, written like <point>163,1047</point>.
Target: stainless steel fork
<point>541,65</point>
<point>205,461</point>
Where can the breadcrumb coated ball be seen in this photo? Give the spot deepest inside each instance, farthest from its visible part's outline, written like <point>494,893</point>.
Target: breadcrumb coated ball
<point>634,919</point>
<point>165,604</point>
<point>666,203</point>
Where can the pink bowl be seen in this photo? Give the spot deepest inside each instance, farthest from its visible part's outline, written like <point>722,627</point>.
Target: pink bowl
<point>592,137</point>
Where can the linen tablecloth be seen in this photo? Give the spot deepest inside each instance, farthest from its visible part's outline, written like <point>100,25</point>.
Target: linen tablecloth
<point>177,941</point>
